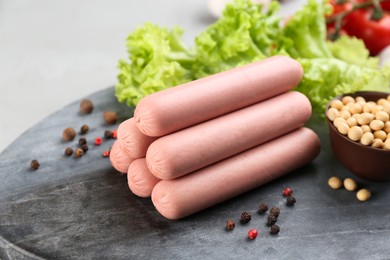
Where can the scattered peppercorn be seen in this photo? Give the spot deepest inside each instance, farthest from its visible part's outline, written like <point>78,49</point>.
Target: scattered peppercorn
<point>275,211</point>
<point>114,134</point>
<point>274,229</point>
<point>110,117</point>
<point>245,217</point>
<point>82,141</point>
<point>252,234</point>
<point>263,208</point>
<point>86,106</point>
<point>291,201</point>
<point>84,147</point>
<point>271,219</point>
<point>68,134</point>
<point>84,129</point>
<point>78,152</point>
<point>34,164</point>
<point>287,192</point>
<point>107,134</point>
<point>230,224</point>
<point>98,141</point>
<point>68,151</point>
<point>106,153</point>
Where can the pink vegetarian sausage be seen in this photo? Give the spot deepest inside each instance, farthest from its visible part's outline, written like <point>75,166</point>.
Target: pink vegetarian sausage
<point>197,101</point>
<point>141,181</point>
<point>132,141</point>
<point>190,149</point>
<point>184,196</point>
<point>120,160</point>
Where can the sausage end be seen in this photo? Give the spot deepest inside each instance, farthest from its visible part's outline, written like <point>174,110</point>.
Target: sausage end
<point>119,159</point>
<point>141,182</point>
<point>165,201</point>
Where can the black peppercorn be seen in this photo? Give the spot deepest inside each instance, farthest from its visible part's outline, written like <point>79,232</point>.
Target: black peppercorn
<point>68,134</point>
<point>108,134</point>
<point>68,151</point>
<point>110,117</point>
<point>271,219</point>
<point>230,224</point>
<point>263,208</point>
<point>34,164</point>
<point>274,229</point>
<point>84,129</point>
<point>84,147</point>
<point>275,211</point>
<point>245,217</point>
<point>78,153</point>
<point>82,141</point>
<point>86,106</point>
<point>290,201</point>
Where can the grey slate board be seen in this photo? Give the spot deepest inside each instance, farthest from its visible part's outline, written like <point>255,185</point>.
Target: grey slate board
<point>83,209</point>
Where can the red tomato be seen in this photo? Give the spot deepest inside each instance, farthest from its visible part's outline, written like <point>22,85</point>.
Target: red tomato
<point>375,34</point>
<point>386,5</point>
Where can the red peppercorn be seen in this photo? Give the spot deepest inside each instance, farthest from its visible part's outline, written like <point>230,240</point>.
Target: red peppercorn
<point>106,153</point>
<point>114,134</point>
<point>287,192</point>
<point>252,234</point>
<point>98,141</point>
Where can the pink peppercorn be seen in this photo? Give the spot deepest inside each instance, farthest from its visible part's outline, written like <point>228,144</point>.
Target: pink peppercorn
<point>287,192</point>
<point>106,153</point>
<point>252,234</point>
<point>98,141</point>
<point>114,134</point>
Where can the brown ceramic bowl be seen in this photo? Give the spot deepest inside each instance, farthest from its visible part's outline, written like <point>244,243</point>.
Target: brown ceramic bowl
<point>363,161</point>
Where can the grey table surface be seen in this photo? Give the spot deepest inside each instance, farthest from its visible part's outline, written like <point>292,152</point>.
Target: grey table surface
<point>54,52</point>
<point>82,208</point>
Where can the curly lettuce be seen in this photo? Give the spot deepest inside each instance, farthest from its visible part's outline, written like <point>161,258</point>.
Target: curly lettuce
<point>326,78</point>
<point>330,68</point>
<point>245,33</point>
<point>158,60</point>
<point>353,50</point>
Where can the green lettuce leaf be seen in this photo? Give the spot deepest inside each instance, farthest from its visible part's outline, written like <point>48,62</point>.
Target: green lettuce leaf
<point>245,33</point>
<point>307,31</point>
<point>158,60</point>
<point>352,50</point>
<point>330,68</point>
<point>326,78</point>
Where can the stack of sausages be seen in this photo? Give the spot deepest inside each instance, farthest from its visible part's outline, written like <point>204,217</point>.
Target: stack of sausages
<point>203,142</point>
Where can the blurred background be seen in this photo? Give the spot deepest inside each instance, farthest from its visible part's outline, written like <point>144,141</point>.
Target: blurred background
<point>55,52</point>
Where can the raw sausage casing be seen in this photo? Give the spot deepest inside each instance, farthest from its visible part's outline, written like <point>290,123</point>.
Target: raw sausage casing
<point>194,102</point>
<point>184,196</point>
